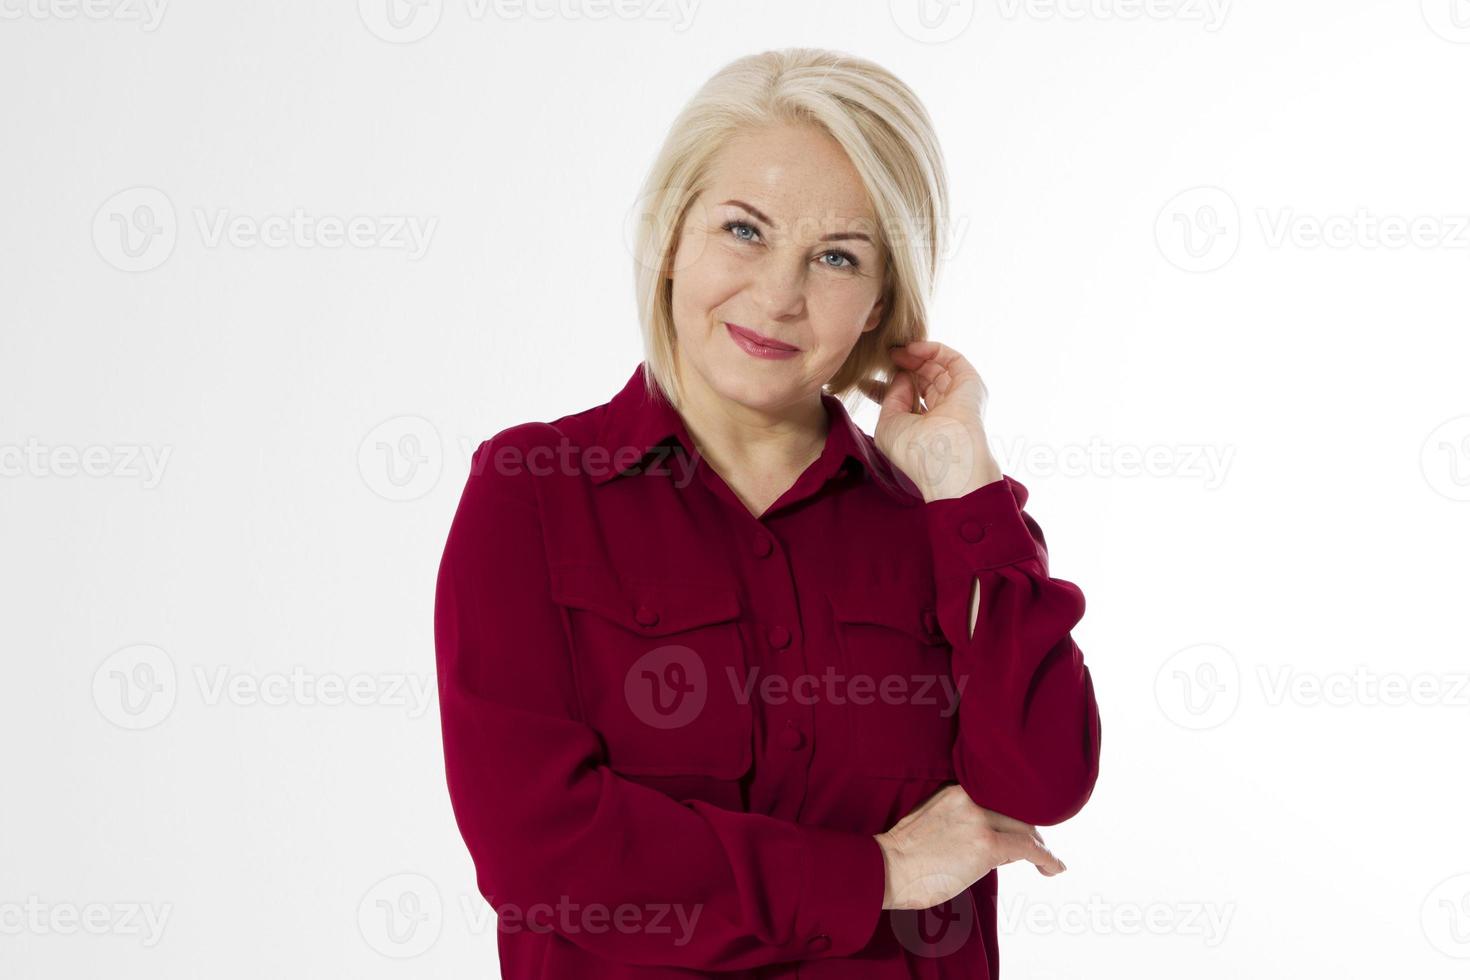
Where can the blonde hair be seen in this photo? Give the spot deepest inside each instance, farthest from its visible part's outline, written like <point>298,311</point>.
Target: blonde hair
<point>886,133</point>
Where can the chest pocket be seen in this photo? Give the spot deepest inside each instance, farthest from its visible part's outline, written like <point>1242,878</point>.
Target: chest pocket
<point>658,667</point>
<point>901,702</point>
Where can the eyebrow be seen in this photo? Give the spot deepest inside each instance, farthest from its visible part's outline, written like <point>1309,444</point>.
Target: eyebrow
<point>840,236</point>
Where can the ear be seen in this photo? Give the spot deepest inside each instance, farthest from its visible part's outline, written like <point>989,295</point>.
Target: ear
<point>875,317</point>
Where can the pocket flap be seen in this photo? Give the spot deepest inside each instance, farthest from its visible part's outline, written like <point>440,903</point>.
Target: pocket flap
<point>880,606</point>
<point>646,608</point>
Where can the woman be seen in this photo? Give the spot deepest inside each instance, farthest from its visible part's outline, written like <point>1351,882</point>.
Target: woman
<point>722,677</point>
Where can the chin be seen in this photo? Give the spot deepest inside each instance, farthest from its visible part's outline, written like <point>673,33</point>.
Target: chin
<point>758,384</point>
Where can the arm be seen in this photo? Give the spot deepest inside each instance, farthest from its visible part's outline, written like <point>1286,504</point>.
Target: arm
<point>1029,730</point>
<point>547,821</point>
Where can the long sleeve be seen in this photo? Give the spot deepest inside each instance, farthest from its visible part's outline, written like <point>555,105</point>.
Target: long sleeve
<point>1029,731</point>
<point>549,824</point>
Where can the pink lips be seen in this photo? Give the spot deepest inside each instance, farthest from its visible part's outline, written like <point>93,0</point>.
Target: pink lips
<point>759,345</point>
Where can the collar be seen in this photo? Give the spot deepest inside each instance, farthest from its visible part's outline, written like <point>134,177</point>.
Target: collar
<point>641,417</point>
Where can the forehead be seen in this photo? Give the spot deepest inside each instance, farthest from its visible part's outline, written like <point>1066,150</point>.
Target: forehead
<point>792,173</point>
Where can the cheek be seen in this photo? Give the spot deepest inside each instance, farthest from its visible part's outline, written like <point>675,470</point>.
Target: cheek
<point>705,279</point>
<point>694,296</point>
<point>840,310</point>
<point>837,318</point>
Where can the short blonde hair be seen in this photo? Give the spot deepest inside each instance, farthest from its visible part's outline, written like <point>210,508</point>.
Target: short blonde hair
<point>886,133</point>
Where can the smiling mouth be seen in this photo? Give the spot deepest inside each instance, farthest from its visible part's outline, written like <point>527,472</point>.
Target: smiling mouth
<point>758,339</point>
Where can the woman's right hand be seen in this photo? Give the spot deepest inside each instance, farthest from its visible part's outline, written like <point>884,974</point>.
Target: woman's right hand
<point>948,843</point>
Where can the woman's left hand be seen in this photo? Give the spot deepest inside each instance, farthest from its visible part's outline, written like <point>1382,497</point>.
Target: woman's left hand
<point>930,421</point>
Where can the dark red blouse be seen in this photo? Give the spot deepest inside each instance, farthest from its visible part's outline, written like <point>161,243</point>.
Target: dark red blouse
<point>671,728</point>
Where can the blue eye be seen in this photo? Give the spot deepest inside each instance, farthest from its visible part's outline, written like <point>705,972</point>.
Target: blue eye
<point>730,226</point>
<point>735,226</point>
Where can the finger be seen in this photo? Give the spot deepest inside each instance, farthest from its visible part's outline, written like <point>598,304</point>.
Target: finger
<point>911,400</point>
<point>925,369</point>
<point>1007,824</point>
<point>932,351</point>
<point>935,381</point>
<point>1025,847</point>
<point>946,356</point>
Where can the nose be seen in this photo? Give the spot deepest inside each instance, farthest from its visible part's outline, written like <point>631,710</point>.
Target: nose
<point>781,285</point>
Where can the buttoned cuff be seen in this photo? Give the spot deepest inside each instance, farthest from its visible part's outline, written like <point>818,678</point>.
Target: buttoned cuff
<point>983,529</point>
<point>842,891</point>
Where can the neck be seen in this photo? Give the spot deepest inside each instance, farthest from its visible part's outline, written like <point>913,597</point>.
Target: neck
<point>735,437</point>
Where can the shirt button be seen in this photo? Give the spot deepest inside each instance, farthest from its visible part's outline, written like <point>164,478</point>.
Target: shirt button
<point>791,739</point>
<point>646,616</point>
<point>971,531</point>
<point>780,637</point>
<point>818,944</point>
<point>762,546</point>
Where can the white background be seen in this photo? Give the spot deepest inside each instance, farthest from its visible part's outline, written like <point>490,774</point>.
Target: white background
<point>1134,271</point>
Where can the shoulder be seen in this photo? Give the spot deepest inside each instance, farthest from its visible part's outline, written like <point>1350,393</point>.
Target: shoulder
<point>516,443</point>
<point>534,447</point>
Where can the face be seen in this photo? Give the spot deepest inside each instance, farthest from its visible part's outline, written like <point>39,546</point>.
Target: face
<point>778,269</point>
